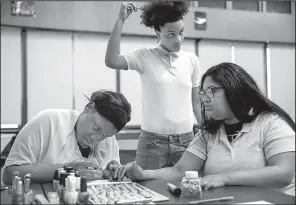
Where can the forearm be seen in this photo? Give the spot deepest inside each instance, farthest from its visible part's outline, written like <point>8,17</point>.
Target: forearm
<point>197,108</point>
<point>113,46</point>
<point>40,174</point>
<point>168,174</point>
<point>271,176</point>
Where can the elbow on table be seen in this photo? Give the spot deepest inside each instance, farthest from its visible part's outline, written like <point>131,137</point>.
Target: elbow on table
<point>287,179</point>
<point>7,175</point>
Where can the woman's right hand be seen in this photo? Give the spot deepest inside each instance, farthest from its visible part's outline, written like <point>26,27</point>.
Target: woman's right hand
<point>87,169</point>
<point>126,9</point>
<point>80,165</point>
<point>131,170</point>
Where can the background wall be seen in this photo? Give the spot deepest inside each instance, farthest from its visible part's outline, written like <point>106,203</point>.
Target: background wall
<point>64,54</point>
<point>237,23</point>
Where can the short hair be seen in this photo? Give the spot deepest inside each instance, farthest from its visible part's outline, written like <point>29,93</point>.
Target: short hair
<point>156,14</point>
<point>113,106</point>
<point>242,94</point>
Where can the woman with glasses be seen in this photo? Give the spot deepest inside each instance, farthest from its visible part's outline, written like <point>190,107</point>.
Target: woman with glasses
<point>246,140</point>
<point>55,138</point>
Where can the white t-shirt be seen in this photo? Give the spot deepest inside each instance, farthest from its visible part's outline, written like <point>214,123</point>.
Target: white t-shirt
<point>49,138</point>
<point>167,82</point>
<point>259,140</point>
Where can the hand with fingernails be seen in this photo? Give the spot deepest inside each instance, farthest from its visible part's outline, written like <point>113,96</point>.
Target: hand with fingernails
<point>213,181</point>
<point>131,170</point>
<point>126,9</point>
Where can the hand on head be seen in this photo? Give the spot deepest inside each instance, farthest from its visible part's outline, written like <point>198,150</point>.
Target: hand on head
<point>126,9</point>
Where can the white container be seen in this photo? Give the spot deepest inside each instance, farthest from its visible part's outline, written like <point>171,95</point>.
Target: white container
<point>191,184</point>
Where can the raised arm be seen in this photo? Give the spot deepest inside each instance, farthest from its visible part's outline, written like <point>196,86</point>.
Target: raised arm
<point>113,59</point>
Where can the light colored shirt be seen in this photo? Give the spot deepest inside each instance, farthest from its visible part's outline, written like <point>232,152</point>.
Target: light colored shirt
<point>259,140</point>
<point>49,138</point>
<point>167,82</point>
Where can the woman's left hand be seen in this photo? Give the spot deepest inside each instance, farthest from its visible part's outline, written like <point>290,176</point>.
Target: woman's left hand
<point>213,181</point>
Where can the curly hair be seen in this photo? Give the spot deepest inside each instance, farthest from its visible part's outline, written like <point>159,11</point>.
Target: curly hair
<point>156,14</point>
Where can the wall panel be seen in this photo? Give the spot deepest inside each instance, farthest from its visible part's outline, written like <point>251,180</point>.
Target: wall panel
<point>90,72</point>
<point>49,71</point>
<point>11,87</point>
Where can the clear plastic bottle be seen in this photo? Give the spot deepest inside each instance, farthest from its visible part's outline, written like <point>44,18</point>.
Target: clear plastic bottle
<point>191,184</point>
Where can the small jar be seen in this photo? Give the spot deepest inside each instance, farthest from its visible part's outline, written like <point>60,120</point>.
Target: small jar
<point>191,184</point>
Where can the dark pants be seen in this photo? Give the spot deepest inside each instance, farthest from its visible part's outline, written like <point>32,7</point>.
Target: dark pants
<point>156,151</point>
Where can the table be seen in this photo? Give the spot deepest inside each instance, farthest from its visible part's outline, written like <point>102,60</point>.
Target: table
<point>6,195</point>
<point>240,193</point>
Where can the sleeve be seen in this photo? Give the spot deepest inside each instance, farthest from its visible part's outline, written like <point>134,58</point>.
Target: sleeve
<point>27,147</point>
<point>134,59</point>
<point>279,137</point>
<point>195,78</point>
<point>198,145</point>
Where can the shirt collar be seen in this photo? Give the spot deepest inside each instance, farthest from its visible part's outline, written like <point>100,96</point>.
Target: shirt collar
<point>164,51</point>
<point>247,127</point>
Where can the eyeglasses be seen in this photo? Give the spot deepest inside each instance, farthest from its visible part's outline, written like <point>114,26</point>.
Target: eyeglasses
<point>210,92</point>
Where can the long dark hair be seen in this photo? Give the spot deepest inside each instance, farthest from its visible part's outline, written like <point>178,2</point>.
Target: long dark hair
<point>113,106</point>
<point>242,94</point>
<point>156,14</point>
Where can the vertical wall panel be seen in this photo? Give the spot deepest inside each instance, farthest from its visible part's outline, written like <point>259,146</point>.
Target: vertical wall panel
<point>49,71</point>
<point>251,57</point>
<point>90,72</point>
<point>212,52</point>
<point>189,45</point>
<point>11,75</point>
<point>282,63</point>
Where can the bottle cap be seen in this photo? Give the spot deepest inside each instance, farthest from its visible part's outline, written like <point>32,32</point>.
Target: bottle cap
<point>63,177</point>
<point>28,176</point>
<point>69,169</point>
<point>83,185</point>
<point>15,173</point>
<point>56,175</point>
<point>191,174</point>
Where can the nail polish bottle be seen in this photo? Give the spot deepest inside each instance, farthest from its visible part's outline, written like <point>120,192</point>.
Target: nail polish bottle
<point>69,169</point>
<point>13,188</point>
<point>78,179</point>
<point>15,175</point>
<point>71,195</point>
<point>61,187</point>
<point>83,195</point>
<point>28,193</point>
<point>55,181</point>
<point>19,196</point>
